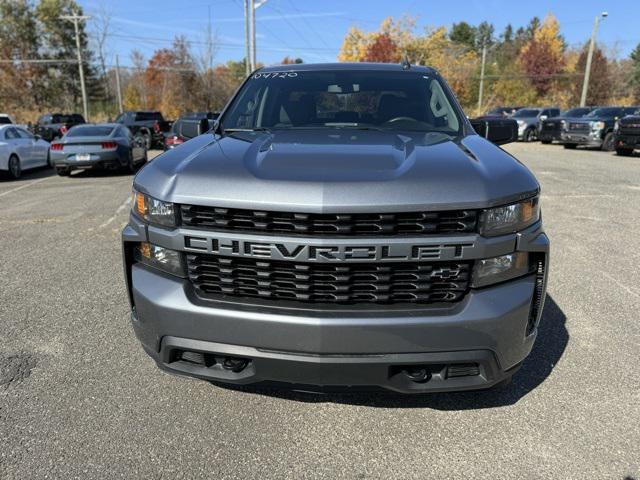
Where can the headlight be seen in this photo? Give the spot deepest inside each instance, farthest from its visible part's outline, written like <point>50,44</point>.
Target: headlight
<point>161,258</point>
<point>520,123</point>
<point>499,269</point>
<point>616,126</point>
<point>154,211</point>
<point>596,125</point>
<point>510,218</point>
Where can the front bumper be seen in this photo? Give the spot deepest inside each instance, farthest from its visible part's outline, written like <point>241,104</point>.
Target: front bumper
<point>486,332</point>
<point>628,141</point>
<point>592,139</point>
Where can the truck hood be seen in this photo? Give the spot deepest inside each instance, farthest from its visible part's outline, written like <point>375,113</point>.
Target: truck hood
<point>327,171</point>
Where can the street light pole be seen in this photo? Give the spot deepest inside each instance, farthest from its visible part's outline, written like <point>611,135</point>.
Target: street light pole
<point>75,18</point>
<point>587,71</point>
<point>255,5</point>
<point>247,38</point>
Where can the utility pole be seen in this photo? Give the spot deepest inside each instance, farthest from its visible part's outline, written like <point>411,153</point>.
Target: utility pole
<point>247,39</point>
<point>118,89</point>
<point>481,89</point>
<point>75,18</point>
<point>587,71</point>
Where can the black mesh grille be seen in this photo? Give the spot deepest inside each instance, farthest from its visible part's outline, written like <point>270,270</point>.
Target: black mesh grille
<point>214,276</point>
<point>551,126</point>
<point>410,223</point>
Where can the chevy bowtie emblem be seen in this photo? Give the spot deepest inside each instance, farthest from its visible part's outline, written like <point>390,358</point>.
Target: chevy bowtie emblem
<point>445,273</point>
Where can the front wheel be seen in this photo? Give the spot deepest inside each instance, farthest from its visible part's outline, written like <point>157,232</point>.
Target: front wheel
<point>63,172</point>
<point>609,143</point>
<point>529,135</point>
<point>15,170</point>
<point>624,152</point>
<point>546,142</point>
<point>570,146</point>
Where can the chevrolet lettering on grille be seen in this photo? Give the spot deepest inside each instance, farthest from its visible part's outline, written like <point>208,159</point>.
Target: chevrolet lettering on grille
<point>303,252</point>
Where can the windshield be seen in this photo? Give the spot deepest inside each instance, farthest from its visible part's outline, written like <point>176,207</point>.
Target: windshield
<point>526,112</point>
<point>148,116</point>
<point>575,112</point>
<point>93,131</point>
<point>604,112</point>
<point>409,101</point>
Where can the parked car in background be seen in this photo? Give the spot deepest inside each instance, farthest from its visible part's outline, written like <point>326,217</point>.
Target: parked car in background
<point>549,129</point>
<point>21,150</point>
<point>52,126</point>
<point>501,111</point>
<point>5,119</point>
<point>149,126</point>
<point>595,129</point>
<point>177,136</point>
<point>102,146</point>
<point>528,119</point>
<point>627,134</point>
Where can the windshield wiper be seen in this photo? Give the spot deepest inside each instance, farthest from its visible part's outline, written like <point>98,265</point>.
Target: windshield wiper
<point>257,129</point>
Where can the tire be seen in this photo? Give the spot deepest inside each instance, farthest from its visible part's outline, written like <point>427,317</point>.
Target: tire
<point>131,164</point>
<point>624,152</point>
<point>609,143</point>
<point>529,135</point>
<point>570,146</point>
<point>546,142</point>
<point>14,170</point>
<point>49,162</point>
<point>63,172</point>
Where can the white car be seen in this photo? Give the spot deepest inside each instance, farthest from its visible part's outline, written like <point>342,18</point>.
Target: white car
<point>21,150</point>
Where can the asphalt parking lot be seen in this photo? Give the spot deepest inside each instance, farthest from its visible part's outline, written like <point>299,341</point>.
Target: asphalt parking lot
<point>80,399</point>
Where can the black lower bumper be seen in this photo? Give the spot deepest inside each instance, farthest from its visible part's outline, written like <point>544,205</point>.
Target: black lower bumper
<point>404,373</point>
<point>549,136</point>
<point>628,141</point>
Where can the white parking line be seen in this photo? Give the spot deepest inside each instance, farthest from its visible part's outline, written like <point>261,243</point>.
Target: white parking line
<point>124,205</point>
<point>24,186</point>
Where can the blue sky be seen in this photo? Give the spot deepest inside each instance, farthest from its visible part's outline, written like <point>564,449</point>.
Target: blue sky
<point>314,29</point>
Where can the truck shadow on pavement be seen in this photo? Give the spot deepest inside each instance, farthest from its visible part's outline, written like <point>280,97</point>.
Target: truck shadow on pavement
<point>550,345</point>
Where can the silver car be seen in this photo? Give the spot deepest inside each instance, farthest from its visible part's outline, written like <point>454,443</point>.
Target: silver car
<point>104,146</point>
<point>20,150</point>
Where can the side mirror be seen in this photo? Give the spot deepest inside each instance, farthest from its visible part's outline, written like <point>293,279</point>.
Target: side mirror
<point>37,137</point>
<point>496,130</point>
<point>192,128</point>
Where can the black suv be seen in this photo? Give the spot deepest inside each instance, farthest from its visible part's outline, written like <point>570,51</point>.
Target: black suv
<point>53,126</point>
<point>594,129</point>
<point>627,134</point>
<point>150,126</point>
<point>550,128</point>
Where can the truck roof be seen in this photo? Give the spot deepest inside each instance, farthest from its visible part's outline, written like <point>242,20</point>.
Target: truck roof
<point>317,67</point>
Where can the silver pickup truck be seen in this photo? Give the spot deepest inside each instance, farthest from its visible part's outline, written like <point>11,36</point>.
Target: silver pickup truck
<point>342,225</point>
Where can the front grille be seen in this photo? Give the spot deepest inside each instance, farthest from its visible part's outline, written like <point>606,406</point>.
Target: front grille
<point>630,129</point>
<point>550,126</point>
<point>578,127</point>
<point>259,221</point>
<point>322,283</point>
